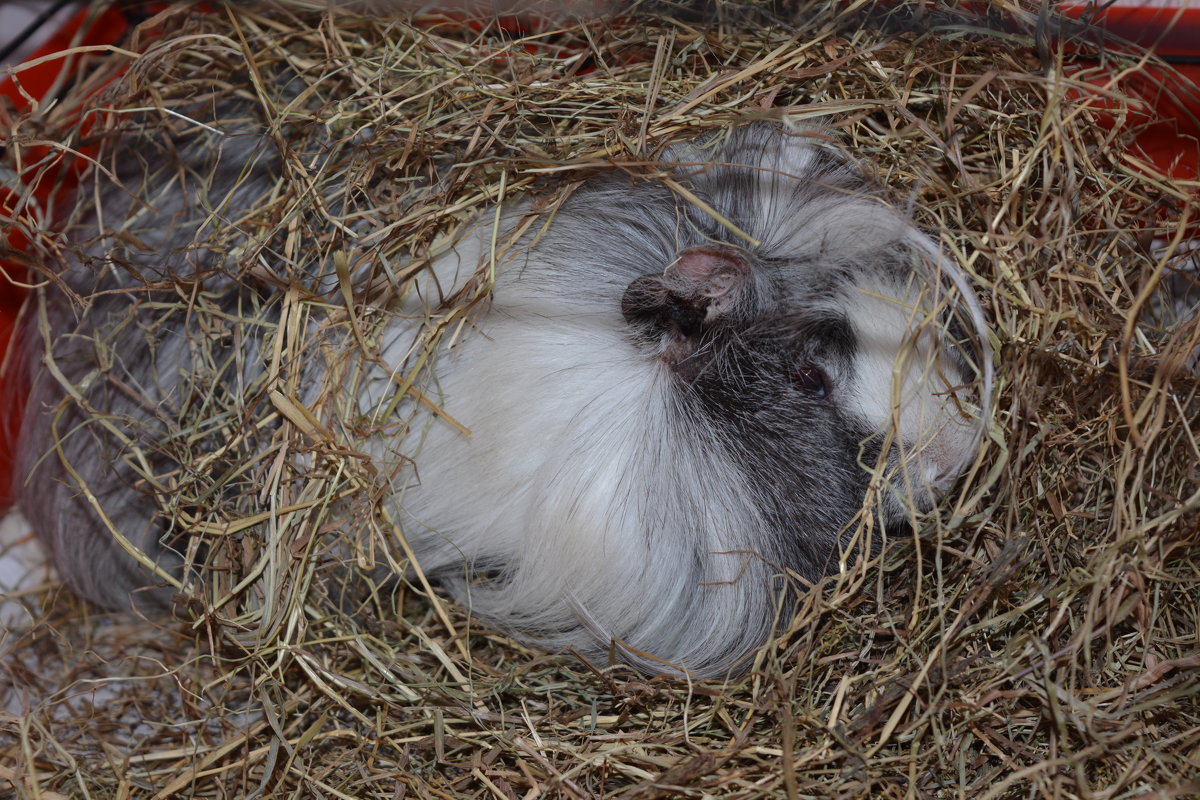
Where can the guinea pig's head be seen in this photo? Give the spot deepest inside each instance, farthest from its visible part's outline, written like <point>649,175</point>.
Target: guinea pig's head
<point>811,324</point>
<point>850,369</point>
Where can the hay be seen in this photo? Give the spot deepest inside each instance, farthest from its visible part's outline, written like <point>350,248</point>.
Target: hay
<point>1040,634</point>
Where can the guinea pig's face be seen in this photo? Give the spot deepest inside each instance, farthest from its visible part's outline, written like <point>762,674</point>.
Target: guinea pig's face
<point>797,376</point>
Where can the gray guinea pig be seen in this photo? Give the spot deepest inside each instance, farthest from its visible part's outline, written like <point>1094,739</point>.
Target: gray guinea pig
<point>678,392</point>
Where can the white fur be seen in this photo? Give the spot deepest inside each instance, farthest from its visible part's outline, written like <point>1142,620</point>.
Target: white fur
<point>907,384</point>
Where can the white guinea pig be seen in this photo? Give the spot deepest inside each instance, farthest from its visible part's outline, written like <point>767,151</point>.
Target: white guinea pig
<point>678,390</point>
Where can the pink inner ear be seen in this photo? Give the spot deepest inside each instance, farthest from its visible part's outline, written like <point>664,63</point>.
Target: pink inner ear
<point>713,270</point>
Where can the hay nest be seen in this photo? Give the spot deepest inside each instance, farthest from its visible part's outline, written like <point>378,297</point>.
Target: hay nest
<point>1038,636</point>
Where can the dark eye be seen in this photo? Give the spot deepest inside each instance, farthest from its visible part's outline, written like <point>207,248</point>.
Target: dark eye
<point>811,380</point>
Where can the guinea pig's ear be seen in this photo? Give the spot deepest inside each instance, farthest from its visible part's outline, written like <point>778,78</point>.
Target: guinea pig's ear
<point>700,285</point>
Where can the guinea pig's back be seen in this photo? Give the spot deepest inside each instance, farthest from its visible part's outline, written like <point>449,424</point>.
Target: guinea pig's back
<point>108,352</point>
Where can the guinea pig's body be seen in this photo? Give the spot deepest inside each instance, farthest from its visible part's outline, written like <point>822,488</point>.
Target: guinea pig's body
<point>666,412</point>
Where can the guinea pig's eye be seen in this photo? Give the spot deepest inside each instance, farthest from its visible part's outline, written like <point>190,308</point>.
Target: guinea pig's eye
<point>811,380</point>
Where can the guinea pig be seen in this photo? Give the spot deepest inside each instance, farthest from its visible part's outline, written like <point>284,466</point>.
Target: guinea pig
<point>673,402</point>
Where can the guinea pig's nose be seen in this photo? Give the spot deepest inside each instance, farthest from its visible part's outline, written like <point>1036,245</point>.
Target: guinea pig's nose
<point>949,452</point>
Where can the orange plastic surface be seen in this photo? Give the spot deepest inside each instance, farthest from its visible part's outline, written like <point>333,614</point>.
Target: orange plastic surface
<point>1168,120</point>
